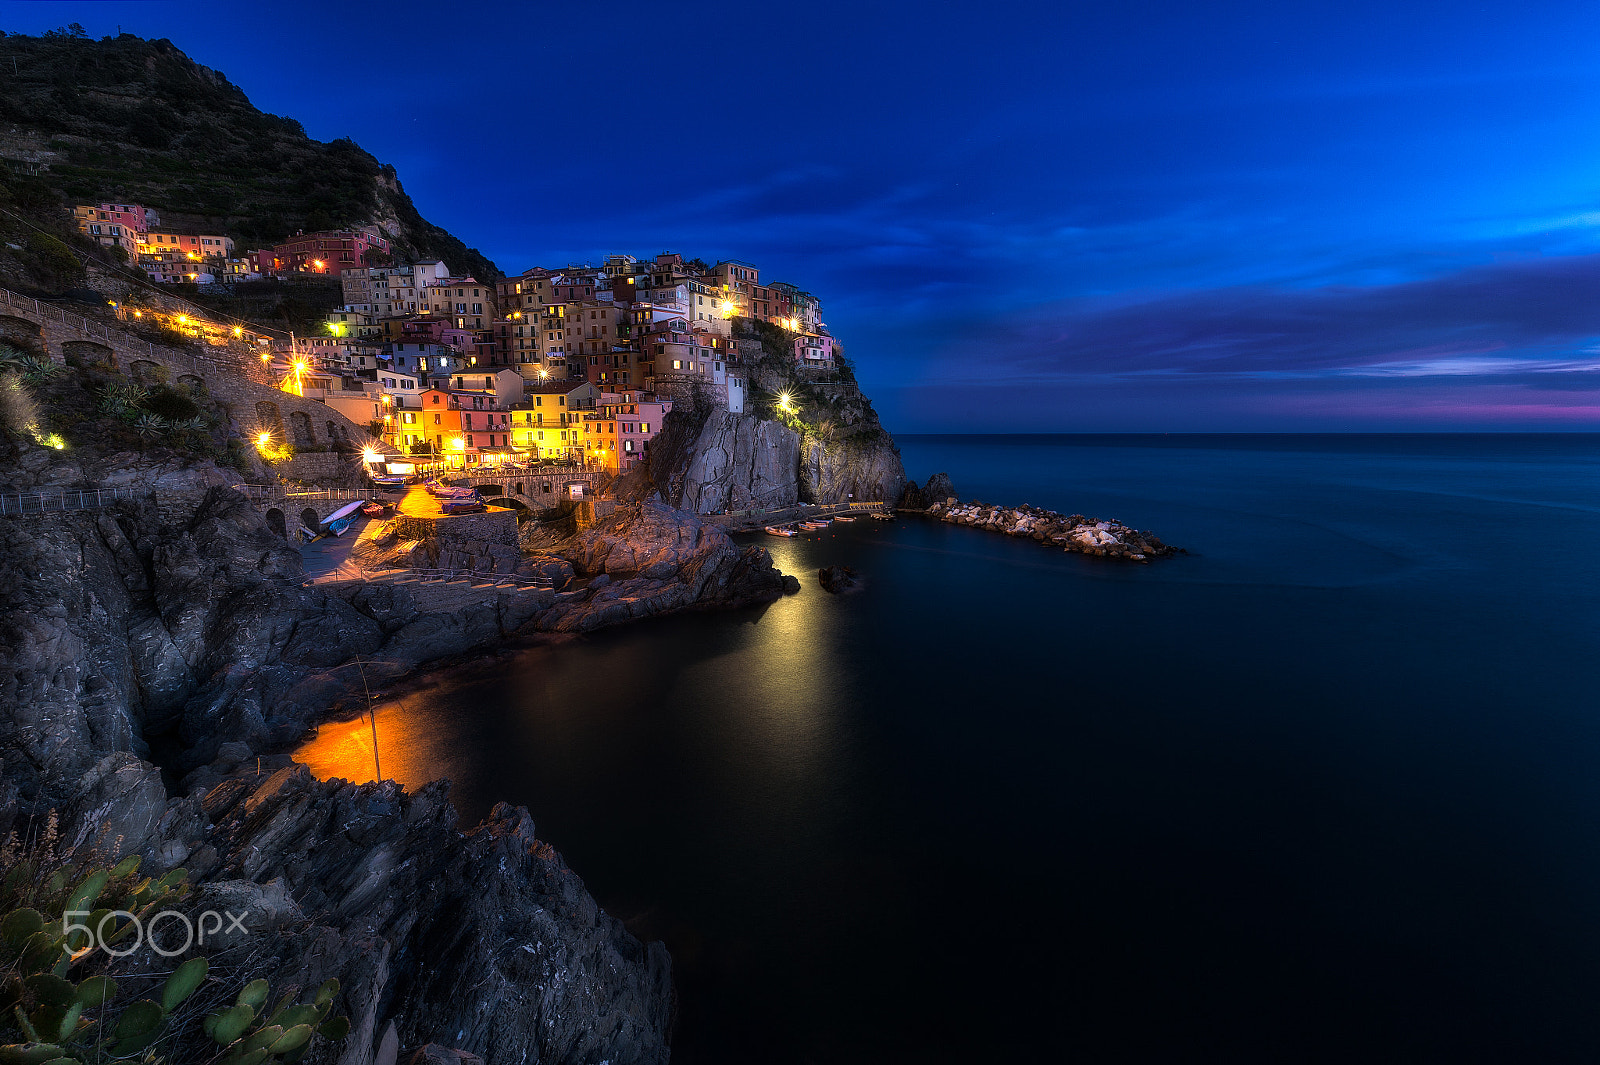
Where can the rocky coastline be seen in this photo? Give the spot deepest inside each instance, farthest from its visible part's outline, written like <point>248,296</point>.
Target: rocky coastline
<point>160,655</point>
<point>1072,533</point>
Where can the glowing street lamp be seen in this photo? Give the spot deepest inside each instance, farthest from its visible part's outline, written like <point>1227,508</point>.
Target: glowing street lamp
<point>370,454</point>
<point>786,403</point>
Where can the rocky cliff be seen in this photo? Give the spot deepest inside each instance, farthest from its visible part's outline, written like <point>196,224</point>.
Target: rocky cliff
<point>481,939</point>
<point>174,627</point>
<point>804,437</point>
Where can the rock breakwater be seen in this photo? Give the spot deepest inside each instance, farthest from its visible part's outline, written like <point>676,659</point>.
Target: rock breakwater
<point>1071,532</point>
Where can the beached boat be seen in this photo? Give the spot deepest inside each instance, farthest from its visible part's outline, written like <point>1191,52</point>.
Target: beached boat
<point>781,530</point>
<point>375,510</point>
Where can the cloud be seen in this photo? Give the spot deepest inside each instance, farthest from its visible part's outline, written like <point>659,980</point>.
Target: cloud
<point>1520,318</point>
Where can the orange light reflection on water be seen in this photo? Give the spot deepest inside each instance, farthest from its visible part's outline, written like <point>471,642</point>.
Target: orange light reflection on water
<point>344,749</point>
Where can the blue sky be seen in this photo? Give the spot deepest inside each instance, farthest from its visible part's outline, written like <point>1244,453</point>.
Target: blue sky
<point>1051,217</point>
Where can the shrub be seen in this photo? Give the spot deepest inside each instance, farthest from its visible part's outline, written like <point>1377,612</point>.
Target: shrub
<point>171,404</point>
<point>19,411</point>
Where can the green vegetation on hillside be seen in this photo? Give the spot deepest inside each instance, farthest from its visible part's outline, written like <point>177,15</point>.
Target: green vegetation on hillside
<point>124,119</point>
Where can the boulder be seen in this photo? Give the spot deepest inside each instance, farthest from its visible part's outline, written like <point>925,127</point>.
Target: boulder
<point>838,579</point>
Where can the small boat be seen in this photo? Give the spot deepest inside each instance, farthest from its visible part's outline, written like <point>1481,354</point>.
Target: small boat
<point>845,517</point>
<point>781,530</point>
<point>339,526</point>
<point>813,526</point>
<point>389,478</point>
<point>464,507</point>
<point>375,510</point>
<point>882,515</point>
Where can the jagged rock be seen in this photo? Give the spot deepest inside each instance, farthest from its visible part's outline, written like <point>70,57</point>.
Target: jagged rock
<point>863,467</point>
<point>837,579</point>
<point>434,1054</point>
<point>709,461</point>
<point>740,462</point>
<point>1076,533</point>
<point>118,805</point>
<point>556,570</point>
<point>791,584</point>
<point>377,887</point>
<point>659,560</point>
<point>939,488</point>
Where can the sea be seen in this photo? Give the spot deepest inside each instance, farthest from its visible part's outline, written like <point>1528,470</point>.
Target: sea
<point>1324,788</point>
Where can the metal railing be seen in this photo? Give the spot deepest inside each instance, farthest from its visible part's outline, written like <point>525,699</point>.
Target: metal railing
<point>809,508</point>
<point>439,576</point>
<point>65,499</point>
<point>272,493</point>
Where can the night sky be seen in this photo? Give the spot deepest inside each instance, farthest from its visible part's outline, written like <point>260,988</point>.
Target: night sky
<point>1019,218</point>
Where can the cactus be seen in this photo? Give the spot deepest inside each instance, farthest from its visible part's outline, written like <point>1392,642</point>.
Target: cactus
<point>285,1034</point>
<point>40,1002</point>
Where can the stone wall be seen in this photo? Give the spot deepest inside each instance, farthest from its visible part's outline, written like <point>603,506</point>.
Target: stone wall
<point>317,466</point>
<point>494,526</point>
<point>237,382</point>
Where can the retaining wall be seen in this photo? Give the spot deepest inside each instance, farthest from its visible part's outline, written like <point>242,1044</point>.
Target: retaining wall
<point>494,526</point>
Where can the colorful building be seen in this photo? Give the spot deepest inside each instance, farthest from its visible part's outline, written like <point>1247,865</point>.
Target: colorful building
<point>638,417</point>
<point>115,224</point>
<point>325,252</point>
<point>548,423</point>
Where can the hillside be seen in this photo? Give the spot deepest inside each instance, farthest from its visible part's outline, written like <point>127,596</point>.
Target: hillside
<point>128,119</point>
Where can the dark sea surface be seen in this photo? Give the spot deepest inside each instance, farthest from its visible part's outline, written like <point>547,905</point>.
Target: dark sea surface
<point>1327,789</point>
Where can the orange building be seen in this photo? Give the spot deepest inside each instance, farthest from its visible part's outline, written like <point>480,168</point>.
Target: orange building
<point>441,423</point>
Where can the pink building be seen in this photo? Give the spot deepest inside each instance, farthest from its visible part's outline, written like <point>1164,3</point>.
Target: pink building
<point>814,352</point>
<point>638,416</point>
<point>435,330</point>
<point>121,224</point>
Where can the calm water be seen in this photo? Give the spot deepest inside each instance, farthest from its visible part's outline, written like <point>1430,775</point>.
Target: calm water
<point>1326,790</point>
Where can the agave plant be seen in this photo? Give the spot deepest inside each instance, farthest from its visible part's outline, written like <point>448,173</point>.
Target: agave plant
<point>186,430</point>
<point>36,368</point>
<point>11,359</point>
<point>148,425</point>
<point>122,399</point>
